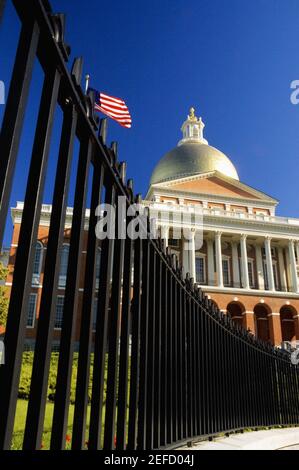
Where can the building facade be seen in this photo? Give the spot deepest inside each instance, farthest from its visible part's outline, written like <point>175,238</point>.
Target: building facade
<point>247,263</point>
<point>38,273</point>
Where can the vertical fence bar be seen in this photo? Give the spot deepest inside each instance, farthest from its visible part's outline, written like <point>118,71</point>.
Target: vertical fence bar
<point>42,355</point>
<point>87,309</point>
<point>195,370</point>
<point>17,312</point>
<point>184,364</point>
<point>189,381</point>
<point>64,372</point>
<point>174,383</point>
<point>169,359</point>
<point>157,354</point>
<point>163,376</point>
<point>204,375</point>
<point>151,351</point>
<point>124,360</point>
<point>198,362</point>
<point>208,359</point>
<point>143,365</point>
<point>14,113</point>
<point>136,314</point>
<point>113,332</point>
<point>218,365</point>
<point>179,363</point>
<point>100,342</point>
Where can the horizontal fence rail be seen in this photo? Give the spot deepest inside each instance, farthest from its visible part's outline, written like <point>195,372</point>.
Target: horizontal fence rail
<point>168,367</point>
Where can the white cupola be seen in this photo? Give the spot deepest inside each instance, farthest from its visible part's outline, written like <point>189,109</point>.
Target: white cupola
<point>192,130</point>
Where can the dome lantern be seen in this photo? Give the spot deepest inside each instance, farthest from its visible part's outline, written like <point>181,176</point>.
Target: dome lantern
<point>192,155</point>
<point>192,130</point>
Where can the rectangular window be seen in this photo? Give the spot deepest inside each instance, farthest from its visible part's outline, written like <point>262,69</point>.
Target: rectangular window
<point>225,271</point>
<point>64,258</point>
<point>31,310</point>
<point>200,269</point>
<point>59,312</point>
<point>272,252</point>
<point>37,263</point>
<point>251,273</point>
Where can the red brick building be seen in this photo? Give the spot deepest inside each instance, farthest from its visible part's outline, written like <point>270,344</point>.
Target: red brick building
<point>38,270</point>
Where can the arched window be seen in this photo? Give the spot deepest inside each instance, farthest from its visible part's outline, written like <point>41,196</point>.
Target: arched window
<point>37,262</point>
<point>235,311</point>
<point>287,313</point>
<point>261,312</point>
<point>63,264</point>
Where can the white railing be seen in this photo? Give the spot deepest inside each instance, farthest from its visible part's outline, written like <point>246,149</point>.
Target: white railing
<point>190,208</point>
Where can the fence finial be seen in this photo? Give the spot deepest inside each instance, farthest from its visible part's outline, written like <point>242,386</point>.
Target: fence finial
<point>87,78</point>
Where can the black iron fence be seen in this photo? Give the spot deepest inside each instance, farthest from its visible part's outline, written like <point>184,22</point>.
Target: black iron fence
<point>168,366</point>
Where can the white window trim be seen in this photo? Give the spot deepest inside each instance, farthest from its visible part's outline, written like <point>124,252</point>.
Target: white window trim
<point>34,275</point>
<point>55,327</point>
<point>34,314</point>
<point>62,286</point>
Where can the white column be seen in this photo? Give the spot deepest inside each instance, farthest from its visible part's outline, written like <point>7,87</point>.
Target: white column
<point>192,256</point>
<point>297,252</point>
<point>259,267</point>
<point>293,267</point>
<point>244,262</point>
<point>210,250</point>
<point>236,268</point>
<point>288,271</point>
<point>219,259</point>
<point>269,263</point>
<point>165,235</point>
<point>282,271</point>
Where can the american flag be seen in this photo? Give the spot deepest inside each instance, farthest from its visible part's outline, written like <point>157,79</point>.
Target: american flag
<point>113,107</point>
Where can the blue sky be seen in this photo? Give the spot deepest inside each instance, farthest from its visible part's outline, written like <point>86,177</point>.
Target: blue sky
<point>232,60</point>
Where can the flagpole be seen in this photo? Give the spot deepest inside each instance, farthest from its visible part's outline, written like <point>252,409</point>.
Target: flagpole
<point>87,77</point>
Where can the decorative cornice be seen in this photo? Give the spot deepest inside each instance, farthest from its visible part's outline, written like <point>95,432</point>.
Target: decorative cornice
<point>164,191</point>
<point>249,292</point>
<point>238,184</point>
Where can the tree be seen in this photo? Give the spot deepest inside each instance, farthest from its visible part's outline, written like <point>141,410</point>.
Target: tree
<point>3,296</point>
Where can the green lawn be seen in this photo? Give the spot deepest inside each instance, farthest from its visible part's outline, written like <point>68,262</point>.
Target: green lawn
<point>21,419</point>
<point>24,390</point>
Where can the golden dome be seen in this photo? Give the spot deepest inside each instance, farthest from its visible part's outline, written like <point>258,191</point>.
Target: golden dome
<point>192,159</point>
<point>192,156</point>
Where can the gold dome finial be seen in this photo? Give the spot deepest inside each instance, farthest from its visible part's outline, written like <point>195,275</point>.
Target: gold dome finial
<point>191,115</point>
